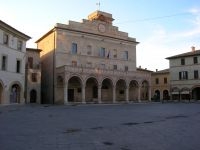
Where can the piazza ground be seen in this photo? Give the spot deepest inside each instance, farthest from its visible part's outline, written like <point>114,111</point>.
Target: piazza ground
<point>149,126</point>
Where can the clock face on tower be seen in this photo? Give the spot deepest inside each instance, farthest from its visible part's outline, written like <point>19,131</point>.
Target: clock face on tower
<point>102,28</point>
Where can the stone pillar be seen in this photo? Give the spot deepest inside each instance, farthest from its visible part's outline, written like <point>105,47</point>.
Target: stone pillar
<point>65,94</point>
<point>99,93</point>
<point>114,94</point>
<point>127,94</point>
<point>139,94</point>
<point>149,89</point>
<point>83,94</point>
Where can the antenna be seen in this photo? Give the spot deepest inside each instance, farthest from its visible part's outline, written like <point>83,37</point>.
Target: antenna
<point>98,5</point>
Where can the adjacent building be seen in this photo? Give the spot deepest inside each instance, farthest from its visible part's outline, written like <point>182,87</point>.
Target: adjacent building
<point>184,75</point>
<point>160,81</point>
<point>91,61</point>
<point>33,76</point>
<point>12,64</point>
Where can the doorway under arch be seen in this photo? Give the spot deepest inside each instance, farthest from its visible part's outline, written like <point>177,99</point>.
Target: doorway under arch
<point>91,90</point>
<point>33,96</point>
<point>121,90</point>
<point>107,91</point>
<point>133,90</point>
<point>166,95</point>
<point>15,94</point>
<point>196,93</point>
<point>157,95</point>
<point>75,89</point>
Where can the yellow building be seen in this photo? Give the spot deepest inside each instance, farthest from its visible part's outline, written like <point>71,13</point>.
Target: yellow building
<point>90,61</point>
<point>160,85</point>
<point>33,76</point>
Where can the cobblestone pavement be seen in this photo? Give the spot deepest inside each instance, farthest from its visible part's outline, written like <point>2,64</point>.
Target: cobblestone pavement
<point>150,126</point>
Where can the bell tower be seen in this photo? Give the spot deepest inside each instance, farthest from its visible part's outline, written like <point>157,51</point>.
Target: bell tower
<point>101,16</point>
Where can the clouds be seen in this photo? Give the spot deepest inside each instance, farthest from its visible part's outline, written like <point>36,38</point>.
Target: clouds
<point>163,41</point>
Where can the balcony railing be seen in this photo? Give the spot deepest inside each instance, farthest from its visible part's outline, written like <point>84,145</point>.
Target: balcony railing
<point>108,72</point>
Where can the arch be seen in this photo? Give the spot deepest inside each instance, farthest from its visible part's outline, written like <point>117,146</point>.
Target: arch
<point>196,92</point>
<point>33,96</point>
<point>121,90</point>
<point>75,89</point>
<point>157,95</point>
<point>91,89</point>
<point>1,92</point>
<point>175,92</point>
<point>15,93</point>
<point>107,90</point>
<point>166,95</point>
<point>144,90</point>
<point>185,93</point>
<point>133,90</point>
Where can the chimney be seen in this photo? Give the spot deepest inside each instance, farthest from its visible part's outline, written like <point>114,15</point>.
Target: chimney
<point>156,70</point>
<point>193,49</point>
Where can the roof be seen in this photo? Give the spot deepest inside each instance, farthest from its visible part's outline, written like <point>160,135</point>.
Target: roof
<point>14,31</point>
<point>144,70</point>
<point>161,71</point>
<point>192,53</point>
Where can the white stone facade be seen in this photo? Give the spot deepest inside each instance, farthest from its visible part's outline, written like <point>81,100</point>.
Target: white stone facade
<point>184,75</point>
<point>12,64</point>
<point>91,61</point>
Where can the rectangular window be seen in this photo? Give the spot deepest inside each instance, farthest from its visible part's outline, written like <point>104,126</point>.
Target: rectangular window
<point>19,45</point>
<point>30,62</point>
<point>74,48</point>
<point>89,49</point>
<point>34,77</point>
<point>102,52</point>
<point>196,74</point>
<point>182,61</point>
<point>74,63</point>
<point>5,39</point>
<point>114,67</point>
<point>103,66</point>
<point>157,81</point>
<point>183,75</point>
<point>4,63</point>
<point>126,68</point>
<point>18,66</point>
<point>115,53</point>
<point>195,60</point>
<point>125,56</point>
<point>165,80</point>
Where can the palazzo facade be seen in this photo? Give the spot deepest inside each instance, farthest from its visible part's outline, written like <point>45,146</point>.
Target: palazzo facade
<point>184,75</point>
<point>12,64</point>
<point>91,62</point>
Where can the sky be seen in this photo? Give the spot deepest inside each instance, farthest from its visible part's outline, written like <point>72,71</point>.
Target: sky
<point>163,27</point>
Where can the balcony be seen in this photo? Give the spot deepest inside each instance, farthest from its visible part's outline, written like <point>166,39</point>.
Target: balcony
<point>104,72</point>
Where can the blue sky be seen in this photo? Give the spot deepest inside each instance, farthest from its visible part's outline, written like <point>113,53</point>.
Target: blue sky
<point>163,27</point>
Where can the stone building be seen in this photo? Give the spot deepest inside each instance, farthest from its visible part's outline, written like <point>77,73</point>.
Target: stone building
<point>12,64</point>
<point>184,75</point>
<point>33,76</point>
<point>90,61</point>
<point>160,85</point>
